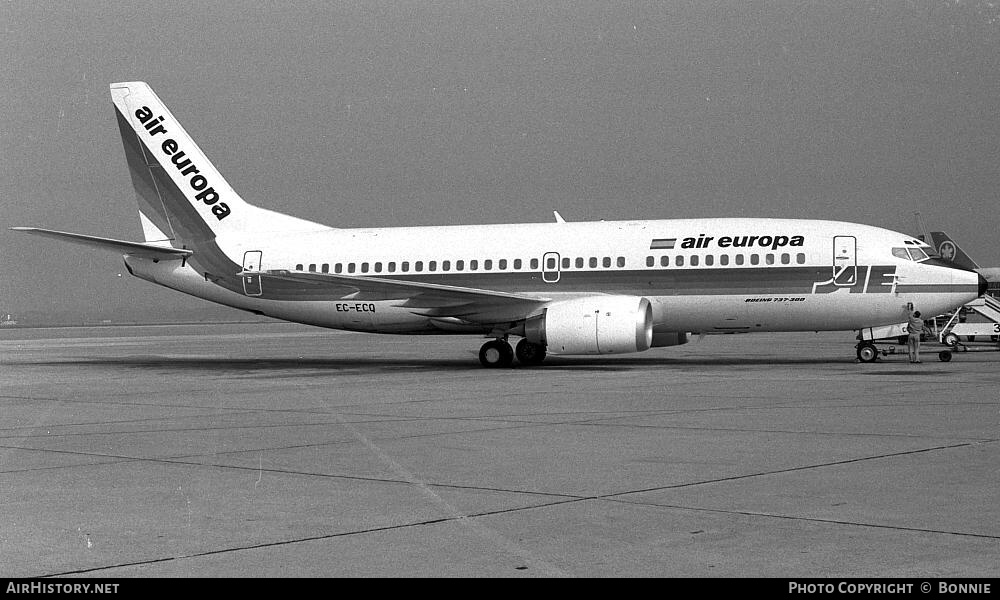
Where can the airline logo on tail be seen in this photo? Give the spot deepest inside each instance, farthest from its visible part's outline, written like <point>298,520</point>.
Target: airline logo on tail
<point>950,251</point>
<point>205,192</point>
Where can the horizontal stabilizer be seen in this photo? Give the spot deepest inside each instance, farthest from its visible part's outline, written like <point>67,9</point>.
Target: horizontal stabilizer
<point>120,246</point>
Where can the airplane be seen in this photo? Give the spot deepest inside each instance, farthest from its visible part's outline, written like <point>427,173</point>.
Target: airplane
<point>564,288</point>
<point>950,252</point>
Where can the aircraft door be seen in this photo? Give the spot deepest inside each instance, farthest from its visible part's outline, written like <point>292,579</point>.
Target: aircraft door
<point>251,262</point>
<point>550,267</point>
<point>845,260</point>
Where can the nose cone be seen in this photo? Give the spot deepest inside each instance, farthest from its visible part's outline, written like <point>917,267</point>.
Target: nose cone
<point>983,285</point>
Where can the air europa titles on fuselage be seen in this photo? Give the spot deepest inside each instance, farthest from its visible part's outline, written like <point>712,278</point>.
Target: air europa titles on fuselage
<point>744,241</point>
<point>205,192</point>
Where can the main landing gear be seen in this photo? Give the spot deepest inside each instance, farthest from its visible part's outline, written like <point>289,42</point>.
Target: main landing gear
<point>498,353</point>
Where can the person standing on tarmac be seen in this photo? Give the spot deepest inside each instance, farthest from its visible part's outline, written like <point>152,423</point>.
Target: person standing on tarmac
<point>915,327</point>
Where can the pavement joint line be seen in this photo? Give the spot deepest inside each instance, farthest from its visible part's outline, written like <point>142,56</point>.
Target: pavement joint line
<point>306,539</point>
<point>258,469</point>
<point>793,469</point>
<point>751,513</point>
<point>504,543</point>
<point>612,496</point>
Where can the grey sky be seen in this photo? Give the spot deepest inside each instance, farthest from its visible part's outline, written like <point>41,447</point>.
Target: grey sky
<point>417,113</point>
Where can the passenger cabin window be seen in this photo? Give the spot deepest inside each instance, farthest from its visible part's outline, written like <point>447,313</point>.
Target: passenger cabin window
<point>724,260</point>
<point>534,264</point>
<point>473,265</point>
<point>650,261</point>
<point>350,268</point>
<point>621,262</point>
<point>378,267</point>
<point>326,267</point>
<point>406,267</point>
<point>709,260</point>
<point>488,264</point>
<point>754,259</point>
<point>800,258</point>
<point>338,268</point>
<point>579,262</point>
<point>298,267</point>
<point>664,261</point>
<point>392,267</point>
<point>550,263</point>
<point>432,265</point>
<point>312,268</point>
<point>607,261</point>
<point>565,263</point>
<point>503,264</point>
<point>418,266</point>
<point>459,265</point>
<point>740,259</point>
<point>694,260</point>
<point>364,267</point>
<point>517,264</point>
<point>593,262</point>
<point>679,260</point>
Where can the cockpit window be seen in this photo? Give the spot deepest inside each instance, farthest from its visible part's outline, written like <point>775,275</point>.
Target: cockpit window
<point>917,254</point>
<point>914,254</point>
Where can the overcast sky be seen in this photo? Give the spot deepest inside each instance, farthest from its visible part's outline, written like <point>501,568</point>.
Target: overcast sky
<point>420,113</point>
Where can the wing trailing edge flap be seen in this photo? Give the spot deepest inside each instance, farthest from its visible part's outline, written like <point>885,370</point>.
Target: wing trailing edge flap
<point>120,246</point>
<point>427,299</point>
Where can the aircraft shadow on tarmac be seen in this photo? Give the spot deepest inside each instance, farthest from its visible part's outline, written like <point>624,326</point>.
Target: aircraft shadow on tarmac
<point>323,365</point>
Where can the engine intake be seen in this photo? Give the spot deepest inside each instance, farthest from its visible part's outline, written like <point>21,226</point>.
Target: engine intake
<point>594,325</point>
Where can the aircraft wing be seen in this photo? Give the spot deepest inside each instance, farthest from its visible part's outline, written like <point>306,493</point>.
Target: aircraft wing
<point>120,246</point>
<point>429,299</point>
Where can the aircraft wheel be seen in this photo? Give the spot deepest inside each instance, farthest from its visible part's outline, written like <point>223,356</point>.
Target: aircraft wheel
<point>529,353</point>
<point>867,352</point>
<point>950,339</point>
<point>496,354</point>
<point>944,355</point>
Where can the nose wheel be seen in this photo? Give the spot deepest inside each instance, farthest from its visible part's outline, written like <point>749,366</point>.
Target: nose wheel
<point>496,354</point>
<point>867,352</point>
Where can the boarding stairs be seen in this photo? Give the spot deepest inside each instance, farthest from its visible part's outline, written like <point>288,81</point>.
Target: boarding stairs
<point>978,320</point>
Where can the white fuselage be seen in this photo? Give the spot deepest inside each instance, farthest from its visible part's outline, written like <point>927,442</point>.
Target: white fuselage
<point>700,275</point>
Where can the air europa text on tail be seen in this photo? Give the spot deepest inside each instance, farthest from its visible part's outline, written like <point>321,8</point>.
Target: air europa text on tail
<point>205,192</point>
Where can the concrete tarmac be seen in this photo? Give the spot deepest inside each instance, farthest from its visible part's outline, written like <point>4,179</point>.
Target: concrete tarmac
<point>281,450</point>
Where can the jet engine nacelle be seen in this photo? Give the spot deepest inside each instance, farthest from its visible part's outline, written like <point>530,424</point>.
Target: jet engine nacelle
<point>593,325</point>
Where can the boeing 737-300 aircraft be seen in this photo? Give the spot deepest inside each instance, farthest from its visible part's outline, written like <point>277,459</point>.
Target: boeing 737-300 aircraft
<point>563,287</point>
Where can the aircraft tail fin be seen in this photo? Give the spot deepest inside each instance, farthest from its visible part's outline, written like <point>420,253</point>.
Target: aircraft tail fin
<point>182,198</point>
<point>949,251</point>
